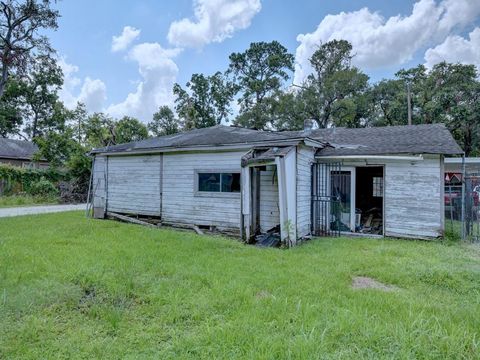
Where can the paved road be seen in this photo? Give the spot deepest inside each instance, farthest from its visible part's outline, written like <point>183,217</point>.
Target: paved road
<point>41,209</point>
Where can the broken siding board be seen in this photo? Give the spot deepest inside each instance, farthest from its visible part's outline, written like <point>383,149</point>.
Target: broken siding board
<point>305,158</point>
<point>269,210</point>
<point>134,184</point>
<point>181,204</point>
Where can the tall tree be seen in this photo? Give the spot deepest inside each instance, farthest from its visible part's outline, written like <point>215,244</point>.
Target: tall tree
<point>259,73</point>
<point>390,103</point>
<point>40,94</point>
<point>21,26</point>
<point>164,122</point>
<point>129,129</point>
<point>206,102</point>
<point>331,93</point>
<point>11,118</point>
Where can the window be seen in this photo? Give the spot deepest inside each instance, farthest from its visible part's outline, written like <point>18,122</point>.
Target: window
<point>377,186</point>
<point>219,182</point>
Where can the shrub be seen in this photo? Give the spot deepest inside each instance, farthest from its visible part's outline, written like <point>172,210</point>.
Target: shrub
<point>42,187</point>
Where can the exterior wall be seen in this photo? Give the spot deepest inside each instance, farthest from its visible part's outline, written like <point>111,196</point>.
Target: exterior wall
<point>269,207</point>
<point>134,184</point>
<point>98,186</point>
<point>24,163</point>
<point>183,204</point>
<point>413,198</point>
<point>305,157</point>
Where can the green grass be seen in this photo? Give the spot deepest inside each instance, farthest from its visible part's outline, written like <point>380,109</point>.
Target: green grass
<point>72,287</point>
<point>26,200</point>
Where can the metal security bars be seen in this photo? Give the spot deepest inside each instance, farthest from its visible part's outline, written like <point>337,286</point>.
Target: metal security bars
<point>326,204</point>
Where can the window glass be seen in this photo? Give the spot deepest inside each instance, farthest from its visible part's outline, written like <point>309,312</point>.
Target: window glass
<point>219,182</point>
<point>231,182</point>
<point>209,182</point>
<point>378,186</point>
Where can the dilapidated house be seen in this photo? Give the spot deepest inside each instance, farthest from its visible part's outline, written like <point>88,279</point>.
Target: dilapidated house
<point>378,181</point>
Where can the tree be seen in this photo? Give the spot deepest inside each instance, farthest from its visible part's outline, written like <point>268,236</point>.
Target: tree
<point>390,103</point>
<point>129,129</point>
<point>21,23</point>
<point>206,102</point>
<point>11,118</point>
<point>164,122</point>
<point>333,93</point>
<point>40,93</point>
<point>99,131</point>
<point>259,73</point>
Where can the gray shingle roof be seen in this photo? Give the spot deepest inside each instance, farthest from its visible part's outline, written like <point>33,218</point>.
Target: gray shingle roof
<point>212,136</point>
<point>413,139</point>
<point>17,149</point>
<point>431,139</point>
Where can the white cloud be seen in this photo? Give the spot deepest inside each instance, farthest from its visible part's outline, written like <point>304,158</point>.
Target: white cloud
<point>215,20</point>
<point>456,49</point>
<point>158,72</point>
<point>379,42</point>
<point>92,92</point>
<point>128,35</point>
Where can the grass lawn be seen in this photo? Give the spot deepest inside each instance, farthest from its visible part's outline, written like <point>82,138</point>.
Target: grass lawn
<point>77,288</point>
<point>26,200</point>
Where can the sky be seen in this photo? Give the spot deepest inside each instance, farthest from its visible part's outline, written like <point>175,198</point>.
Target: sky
<point>123,57</point>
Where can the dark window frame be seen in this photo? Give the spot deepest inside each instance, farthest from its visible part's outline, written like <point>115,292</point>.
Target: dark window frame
<point>219,193</point>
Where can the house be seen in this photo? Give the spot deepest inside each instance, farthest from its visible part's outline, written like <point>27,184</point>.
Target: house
<point>386,181</point>
<point>19,153</point>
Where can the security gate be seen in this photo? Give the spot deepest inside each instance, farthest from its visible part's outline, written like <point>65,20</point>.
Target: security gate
<point>330,187</point>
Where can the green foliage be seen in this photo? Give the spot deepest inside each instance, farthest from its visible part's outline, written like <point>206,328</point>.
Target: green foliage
<point>43,188</point>
<point>206,102</point>
<point>79,288</point>
<point>18,179</point>
<point>259,72</point>
<point>164,122</point>
<point>129,129</point>
<point>7,201</point>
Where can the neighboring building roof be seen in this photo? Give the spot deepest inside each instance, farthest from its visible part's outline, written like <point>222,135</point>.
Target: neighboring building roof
<point>429,139</point>
<point>413,139</point>
<point>17,149</point>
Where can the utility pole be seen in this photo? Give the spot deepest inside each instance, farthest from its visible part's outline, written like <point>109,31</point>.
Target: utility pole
<point>409,101</point>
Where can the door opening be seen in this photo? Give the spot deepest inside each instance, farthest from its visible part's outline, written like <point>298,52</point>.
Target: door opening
<point>369,192</point>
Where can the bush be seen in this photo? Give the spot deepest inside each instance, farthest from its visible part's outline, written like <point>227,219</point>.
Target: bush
<point>15,180</point>
<point>43,187</point>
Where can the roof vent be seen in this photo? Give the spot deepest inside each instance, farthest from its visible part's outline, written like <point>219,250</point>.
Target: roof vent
<point>307,126</point>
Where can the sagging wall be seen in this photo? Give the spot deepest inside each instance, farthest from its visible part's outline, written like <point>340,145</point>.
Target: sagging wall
<point>269,207</point>
<point>305,158</point>
<point>182,203</point>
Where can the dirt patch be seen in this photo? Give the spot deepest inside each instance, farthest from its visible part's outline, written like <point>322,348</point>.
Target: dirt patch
<point>263,294</point>
<point>363,282</point>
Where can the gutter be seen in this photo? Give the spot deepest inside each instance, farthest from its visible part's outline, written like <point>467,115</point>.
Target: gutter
<point>373,157</point>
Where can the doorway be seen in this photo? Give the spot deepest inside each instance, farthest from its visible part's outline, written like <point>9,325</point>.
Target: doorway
<point>369,195</point>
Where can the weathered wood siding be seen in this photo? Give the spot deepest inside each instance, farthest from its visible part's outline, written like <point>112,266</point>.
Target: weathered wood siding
<point>305,157</point>
<point>134,184</point>
<point>269,210</point>
<point>413,198</point>
<point>182,204</point>
<point>98,186</point>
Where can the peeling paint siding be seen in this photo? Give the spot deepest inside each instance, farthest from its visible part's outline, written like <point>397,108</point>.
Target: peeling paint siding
<point>181,204</point>
<point>305,157</point>
<point>134,184</point>
<point>413,198</point>
<point>98,182</point>
<point>269,208</point>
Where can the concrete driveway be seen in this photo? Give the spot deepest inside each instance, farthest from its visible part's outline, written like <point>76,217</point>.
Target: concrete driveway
<point>41,209</point>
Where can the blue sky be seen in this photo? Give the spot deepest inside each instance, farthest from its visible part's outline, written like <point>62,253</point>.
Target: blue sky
<point>170,40</point>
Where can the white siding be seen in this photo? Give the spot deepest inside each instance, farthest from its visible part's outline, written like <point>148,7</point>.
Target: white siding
<point>182,204</point>
<point>269,210</point>
<point>134,184</point>
<point>305,157</point>
<point>98,186</point>
<point>413,198</point>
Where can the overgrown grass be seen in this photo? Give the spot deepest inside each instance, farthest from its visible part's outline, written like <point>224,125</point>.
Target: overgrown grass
<point>77,288</point>
<point>26,200</point>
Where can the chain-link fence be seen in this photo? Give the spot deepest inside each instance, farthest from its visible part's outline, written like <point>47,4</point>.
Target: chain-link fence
<point>462,208</point>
